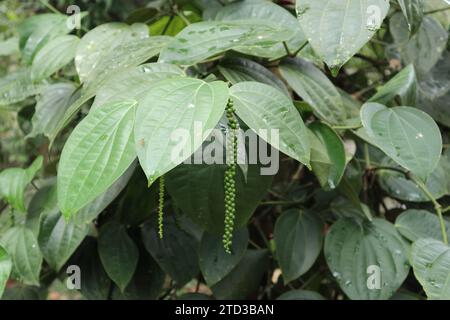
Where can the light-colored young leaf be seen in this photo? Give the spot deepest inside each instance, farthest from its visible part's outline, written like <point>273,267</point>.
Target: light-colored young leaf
<point>53,56</point>
<point>214,262</point>
<point>337,29</point>
<point>327,155</point>
<point>407,135</point>
<point>22,246</point>
<point>118,253</point>
<point>202,40</point>
<point>430,260</point>
<point>99,150</point>
<point>5,269</point>
<point>271,14</point>
<point>51,105</point>
<point>315,88</point>
<point>238,70</point>
<point>298,238</point>
<point>266,109</point>
<point>403,85</point>
<point>13,182</point>
<point>419,224</point>
<point>133,82</point>
<point>353,249</point>
<point>172,120</point>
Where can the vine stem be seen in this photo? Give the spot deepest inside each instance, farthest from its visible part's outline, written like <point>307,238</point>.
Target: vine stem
<point>49,6</point>
<point>424,189</point>
<point>446,210</point>
<point>437,10</point>
<point>437,207</point>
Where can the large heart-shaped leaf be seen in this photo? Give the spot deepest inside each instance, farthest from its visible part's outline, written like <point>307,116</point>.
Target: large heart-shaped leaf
<point>267,110</point>
<point>13,182</point>
<point>271,14</point>
<point>203,40</point>
<point>238,70</point>
<point>133,82</point>
<point>198,190</point>
<point>298,238</point>
<point>22,246</point>
<point>58,239</point>
<point>5,269</point>
<point>172,121</point>
<point>430,260</point>
<point>337,29</point>
<point>53,56</point>
<point>315,88</point>
<point>51,105</point>
<point>407,135</point>
<point>328,160</point>
<point>419,224</point>
<point>118,253</point>
<point>354,252</point>
<point>403,85</point>
<point>97,153</point>
<point>214,262</point>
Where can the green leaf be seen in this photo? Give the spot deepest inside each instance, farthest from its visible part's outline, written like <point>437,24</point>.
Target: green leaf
<point>51,105</point>
<point>315,88</point>
<point>107,50</point>
<point>338,29</point>
<point>407,135</point>
<point>22,246</point>
<point>53,56</point>
<point>9,46</point>
<point>413,12</point>
<point>269,13</point>
<point>328,160</point>
<point>118,253</point>
<point>58,239</point>
<point>17,86</point>
<point>399,187</point>
<point>13,182</point>
<point>99,150</point>
<point>132,83</point>
<point>202,40</point>
<point>214,262</point>
<point>418,224</point>
<point>430,260</point>
<point>5,269</point>
<point>301,295</point>
<point>199,192</point>
<point>238,70</point>
<point>266,110</point>
<point>176,253</point>
<point>95,284</point>
<point>415,50</point>
<point>38,30</point>
<point>351,249</point>
<point>245,278</point>
<point>94,208</point>
<point>298,239</point>
<point>173,109</point>
<point>403,85</point>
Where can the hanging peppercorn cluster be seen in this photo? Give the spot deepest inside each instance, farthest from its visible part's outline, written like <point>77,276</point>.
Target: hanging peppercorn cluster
<point>229,179</point>
<point>161,207</point>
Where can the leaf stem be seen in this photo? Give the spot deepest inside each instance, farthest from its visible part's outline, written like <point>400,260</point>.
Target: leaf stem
<point>49,6</point>
<point>437,10</point>
<point>349,127</point>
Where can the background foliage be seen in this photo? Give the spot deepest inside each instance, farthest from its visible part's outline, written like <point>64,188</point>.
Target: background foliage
<point>363,113</point>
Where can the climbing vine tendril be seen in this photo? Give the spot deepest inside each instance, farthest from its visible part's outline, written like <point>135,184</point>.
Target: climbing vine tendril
<point>161,207</point>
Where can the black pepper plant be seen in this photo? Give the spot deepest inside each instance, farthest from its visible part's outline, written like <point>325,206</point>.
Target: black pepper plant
<point>121,155</point>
